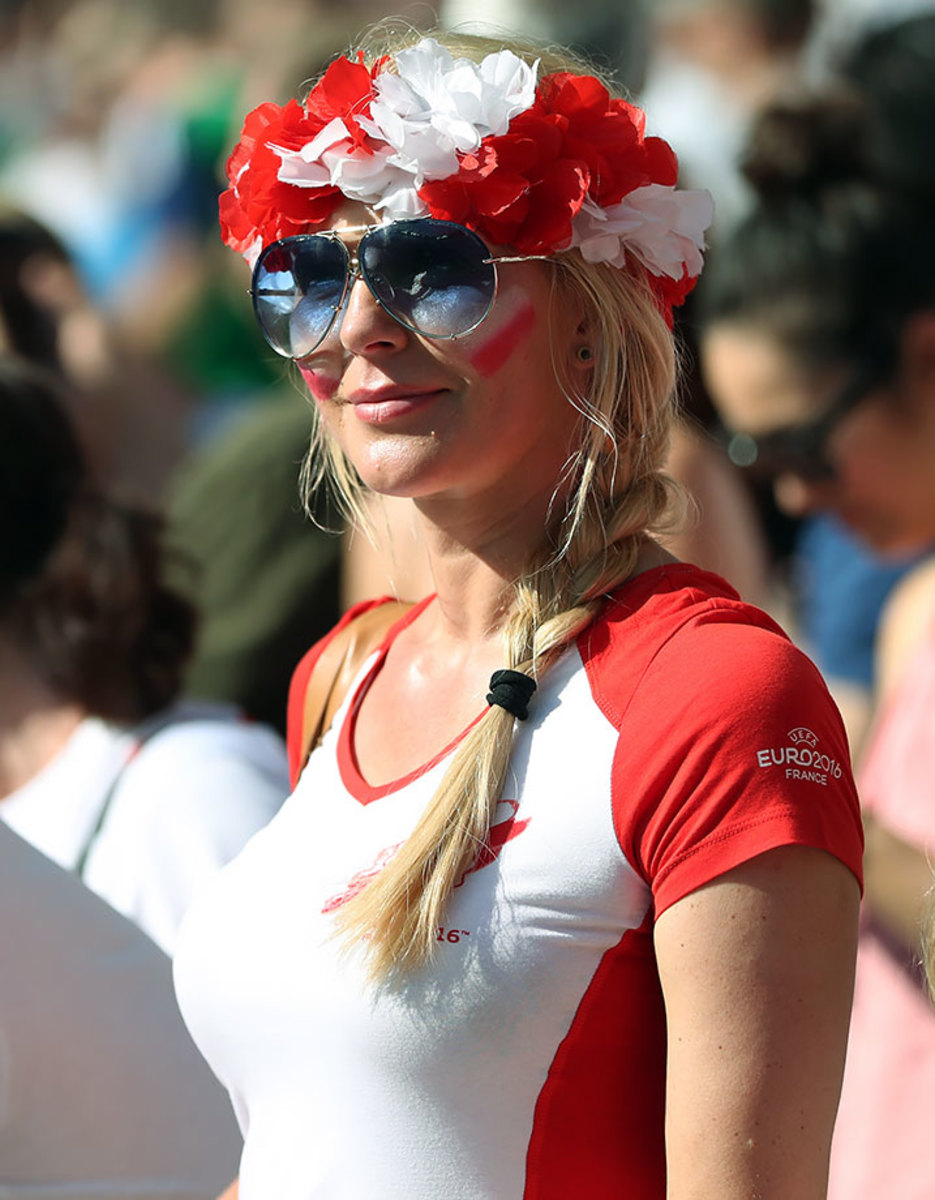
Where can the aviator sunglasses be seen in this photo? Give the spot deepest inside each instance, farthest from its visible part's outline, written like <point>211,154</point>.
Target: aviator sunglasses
<point>800,450</point>
<point>434,277</point>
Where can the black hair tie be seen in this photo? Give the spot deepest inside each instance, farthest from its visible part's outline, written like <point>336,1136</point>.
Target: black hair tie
<point>511,690</point>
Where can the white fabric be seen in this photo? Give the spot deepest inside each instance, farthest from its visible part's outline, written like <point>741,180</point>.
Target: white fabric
<point>102,1095</point>
<point>506,990</point>
<point>185,805</point>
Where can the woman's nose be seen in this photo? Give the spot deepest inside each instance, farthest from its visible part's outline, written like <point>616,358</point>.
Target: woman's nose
<point>366,327</point>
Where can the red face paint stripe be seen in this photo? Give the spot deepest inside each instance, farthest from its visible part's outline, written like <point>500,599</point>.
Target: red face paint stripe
<point>321,386</point>
<point>494,353</point>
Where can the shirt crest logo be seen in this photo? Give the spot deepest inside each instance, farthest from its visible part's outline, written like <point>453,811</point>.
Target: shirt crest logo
<point>801,757</point>
<point>501,832</point>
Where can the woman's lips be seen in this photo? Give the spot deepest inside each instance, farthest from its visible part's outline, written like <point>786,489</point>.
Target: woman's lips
<point>389,404</point>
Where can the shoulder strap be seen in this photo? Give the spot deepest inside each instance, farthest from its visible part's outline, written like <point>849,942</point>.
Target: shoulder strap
<point>337,666</point>
<point>141,736</point>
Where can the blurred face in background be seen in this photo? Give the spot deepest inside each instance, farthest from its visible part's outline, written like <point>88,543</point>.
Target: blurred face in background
<point>836,439</point>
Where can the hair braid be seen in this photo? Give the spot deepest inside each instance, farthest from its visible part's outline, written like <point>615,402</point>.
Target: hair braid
<point>617,493</point>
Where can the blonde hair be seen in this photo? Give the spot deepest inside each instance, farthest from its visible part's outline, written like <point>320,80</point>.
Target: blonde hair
<point>928,942</point>
<point>616,494</point>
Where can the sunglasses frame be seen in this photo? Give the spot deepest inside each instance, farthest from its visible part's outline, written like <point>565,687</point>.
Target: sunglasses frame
<point>800,450</point>
<point>353,272</point>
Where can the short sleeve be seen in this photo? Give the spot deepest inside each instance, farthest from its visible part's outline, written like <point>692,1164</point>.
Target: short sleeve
<point>731,746</point>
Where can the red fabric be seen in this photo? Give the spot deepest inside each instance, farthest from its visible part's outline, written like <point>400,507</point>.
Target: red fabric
<point>588,1133</point>
<point>710,795</point>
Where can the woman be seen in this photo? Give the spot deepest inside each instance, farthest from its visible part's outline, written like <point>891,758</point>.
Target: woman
<point>102,766</point>
<point>819,348</point>
<point>586,938</point>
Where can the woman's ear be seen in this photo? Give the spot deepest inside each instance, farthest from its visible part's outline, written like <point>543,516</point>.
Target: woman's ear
<point>583,347</point>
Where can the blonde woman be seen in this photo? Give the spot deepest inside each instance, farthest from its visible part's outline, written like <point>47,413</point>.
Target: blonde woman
<point>564,903</point>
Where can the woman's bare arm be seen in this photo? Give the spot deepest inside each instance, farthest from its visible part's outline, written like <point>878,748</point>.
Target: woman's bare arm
<point>757,971</point>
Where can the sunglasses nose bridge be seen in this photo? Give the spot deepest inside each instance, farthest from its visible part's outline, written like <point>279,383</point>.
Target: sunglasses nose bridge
<point>353,272</point>
<point>368,318</point>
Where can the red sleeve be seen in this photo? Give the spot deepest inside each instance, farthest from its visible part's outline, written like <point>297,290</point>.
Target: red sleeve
<point>299,685</point>
<point>731,746</point>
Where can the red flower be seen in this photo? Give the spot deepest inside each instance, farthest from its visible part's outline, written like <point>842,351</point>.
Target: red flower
<point>258,204</point>
<point>345,90</point>
<point>524,188</point>
<point>670,293</point>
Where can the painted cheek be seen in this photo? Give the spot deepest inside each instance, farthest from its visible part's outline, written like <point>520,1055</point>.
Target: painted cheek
<point>493,353</point>
<point>322,386</point>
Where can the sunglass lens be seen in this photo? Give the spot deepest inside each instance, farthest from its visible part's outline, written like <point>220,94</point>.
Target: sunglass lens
<point>430,275</point>
<point>298,285</point>
<point>798,452</point>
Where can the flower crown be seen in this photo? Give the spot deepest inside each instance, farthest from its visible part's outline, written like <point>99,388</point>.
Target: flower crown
<point>537,165</point>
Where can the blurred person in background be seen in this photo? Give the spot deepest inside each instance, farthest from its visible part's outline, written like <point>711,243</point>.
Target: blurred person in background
<point>129,411</point>
<point>103,766</point>
<point>819,348</point>
<point>714,64</point>
<point>844,24</point>
<point>102,1093</point>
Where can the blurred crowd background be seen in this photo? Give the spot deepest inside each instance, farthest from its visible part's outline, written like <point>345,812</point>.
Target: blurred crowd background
<point>116,118</point>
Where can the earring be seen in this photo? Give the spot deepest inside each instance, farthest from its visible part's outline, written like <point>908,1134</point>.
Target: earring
<point>584,354</point>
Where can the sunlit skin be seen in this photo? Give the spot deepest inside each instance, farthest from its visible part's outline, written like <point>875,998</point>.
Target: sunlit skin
<point>882,452</point>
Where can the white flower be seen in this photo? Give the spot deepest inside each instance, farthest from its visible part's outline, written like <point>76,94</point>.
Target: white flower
<point>437,107</point>
<point>662,227</point>
<point>331,159</point>
<point>421,119</point>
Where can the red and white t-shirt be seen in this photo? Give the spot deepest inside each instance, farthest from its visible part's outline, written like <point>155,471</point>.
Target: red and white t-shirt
<point>680,736</point>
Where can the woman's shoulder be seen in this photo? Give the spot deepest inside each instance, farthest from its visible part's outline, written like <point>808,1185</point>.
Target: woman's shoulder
<point>682,631</point>
<point>654,606</point>
<point>336,657</point>
<point>352,616</point>
<point>198,747</point>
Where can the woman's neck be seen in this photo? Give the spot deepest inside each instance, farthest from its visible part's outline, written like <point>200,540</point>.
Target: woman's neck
<point>35,722</point>
<point>475,569</point>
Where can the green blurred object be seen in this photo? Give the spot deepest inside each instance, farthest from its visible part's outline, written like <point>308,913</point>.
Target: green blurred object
<point>216,348</point>
<point>264,577</point>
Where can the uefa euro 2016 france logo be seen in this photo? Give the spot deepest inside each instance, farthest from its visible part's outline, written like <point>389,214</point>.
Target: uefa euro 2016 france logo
<point>801,758</point>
